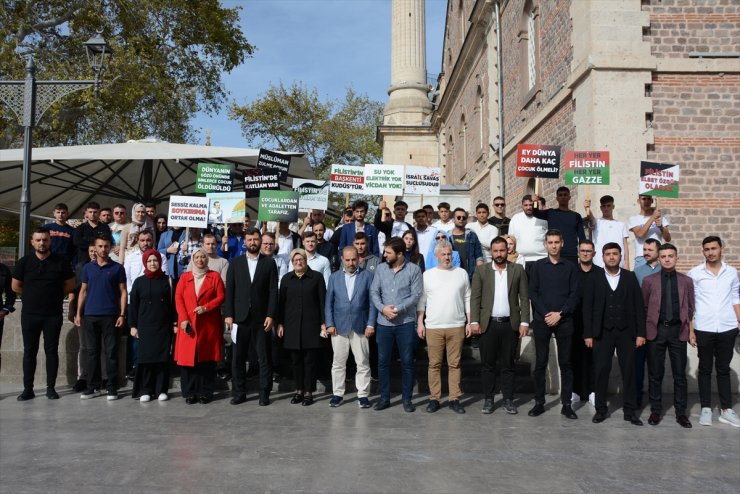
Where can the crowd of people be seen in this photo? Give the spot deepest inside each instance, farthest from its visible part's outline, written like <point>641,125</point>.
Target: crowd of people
<point>240,299</point>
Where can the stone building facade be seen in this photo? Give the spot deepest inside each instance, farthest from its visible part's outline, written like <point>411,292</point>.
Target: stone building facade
<point>655,80</point>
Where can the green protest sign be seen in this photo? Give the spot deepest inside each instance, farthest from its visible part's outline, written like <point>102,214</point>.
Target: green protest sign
<point>586,168</point>
<point>278,205</point>
<point>212,177</point>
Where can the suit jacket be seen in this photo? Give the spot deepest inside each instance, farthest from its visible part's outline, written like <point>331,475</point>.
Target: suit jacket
<point>251,301</point>
<point>345,314</point>
<point>652,293</point>
<point>204,344</point>
<point>595,294</point>
<point>482,293</point>
<point>347,237</point>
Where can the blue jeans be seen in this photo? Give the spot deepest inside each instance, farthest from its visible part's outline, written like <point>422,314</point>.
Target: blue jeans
<point>405,337</point>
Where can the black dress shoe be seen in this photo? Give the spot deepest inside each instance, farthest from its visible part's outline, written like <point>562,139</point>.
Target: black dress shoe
<point>633,419</point>
<point>654,419</point>
<point>191,400</point>
<point>297,398</point>
<point>80,385</point>
<point>568,412</point>
<point>238,399</point>
<point>408,407</point>
<point>487,406</point>
<point>456,407</point>
<point>205,400</point>
<point>307,401</point>
<point>382,405</point>
<point>52,394</point>
<point>264,399</point>
<point>433,406</point>
<point>27,394</point>
<point>598,418</point>
<point>536,411</point>
<point>683,421</point>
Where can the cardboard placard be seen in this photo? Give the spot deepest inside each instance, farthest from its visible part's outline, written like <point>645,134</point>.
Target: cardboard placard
<point>422,181</point>
<point>226,207</point>
<point>586,167</point>
<point>313,194</point>
<point>276,161</point>
<point>188,211</point>
<point>256,179</point>
<point>536,160</point>
<point>213,177</point>
<point>384,180</point>
<point>658,179</point>
<point>347,179</point>
<point>278,205</point>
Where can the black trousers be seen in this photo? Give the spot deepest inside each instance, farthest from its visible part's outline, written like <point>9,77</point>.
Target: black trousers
<point>715,349</point>
<point>667,339</point>
<point>640,362</point>
<point>604,347</point>
<point>32,326</point>
<point>151,379</point>
<point>250,337</point>
<point>496,346</point>
<point>198,380</point>
<point>582,361</point>
<point>102,338</point>
<point>304,369</point>
<point>564,335</point>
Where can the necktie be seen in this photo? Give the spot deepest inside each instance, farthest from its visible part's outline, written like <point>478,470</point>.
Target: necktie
<point>669,298</point>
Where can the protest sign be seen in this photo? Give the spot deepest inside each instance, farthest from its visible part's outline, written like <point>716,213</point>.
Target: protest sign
<point>278,205</point>
<point>276,161</point>
<point>421,181</point>
<point>313,194</point>
<point>586,167</point>
<point>256,179</point>
<point>212,177</point>
<point>226,207</point>
<point>658,179</point>
<point>384,180</point>
<point>534,160</point>
<point>188,211</point>
<point>347,179</point>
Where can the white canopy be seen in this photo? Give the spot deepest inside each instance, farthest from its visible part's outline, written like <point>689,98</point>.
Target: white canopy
<point>147,170</point>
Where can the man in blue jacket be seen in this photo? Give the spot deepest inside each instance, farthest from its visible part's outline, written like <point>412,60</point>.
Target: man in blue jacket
<point>359,210</point>
<point>350,320</point>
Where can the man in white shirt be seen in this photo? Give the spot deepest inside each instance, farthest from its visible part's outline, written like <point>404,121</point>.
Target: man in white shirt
<point>424,232</point>
<point>486,232</point>
<point>650,223</point>
<point>445,301</point>
<point>316,261</point>
<point>133,264</point>
<point>716,320</point>
<point>529,232</point>
<point>444,222</point>
<point>607,230</point>
<point>314,217</point>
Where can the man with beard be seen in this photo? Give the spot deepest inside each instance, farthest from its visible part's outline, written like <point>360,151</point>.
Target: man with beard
<point>366,260</point>
<point>249,309</point>
<point>614,319</point>
<point>89,230</point>
<point>581,356</point>
<point>499,312</point>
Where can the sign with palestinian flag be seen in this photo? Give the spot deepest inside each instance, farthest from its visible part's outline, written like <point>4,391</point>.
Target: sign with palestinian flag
<point>586,167</point>
<point>658,179</point>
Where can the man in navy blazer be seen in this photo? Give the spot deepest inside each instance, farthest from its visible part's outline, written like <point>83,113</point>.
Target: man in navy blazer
<point>347,237</point>
<point>350,320</point>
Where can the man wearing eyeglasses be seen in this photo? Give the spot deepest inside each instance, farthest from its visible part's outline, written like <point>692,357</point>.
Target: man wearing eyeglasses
<point>499,219</point>
<point>465,243</point>
<point>581,357</point>
<point>116,227</point>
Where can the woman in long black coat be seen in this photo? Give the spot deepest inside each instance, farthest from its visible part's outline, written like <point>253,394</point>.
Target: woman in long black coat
<point>301,323</point>
<point>153,322</point>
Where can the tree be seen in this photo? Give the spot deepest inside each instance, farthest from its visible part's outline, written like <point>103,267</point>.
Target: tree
<point>167,65</point>
<point>295,119</point>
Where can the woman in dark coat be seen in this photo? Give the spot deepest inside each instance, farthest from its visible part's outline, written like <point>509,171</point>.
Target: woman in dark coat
<point>412,253</point>
<point>153,322</point>
<point>301,323</point>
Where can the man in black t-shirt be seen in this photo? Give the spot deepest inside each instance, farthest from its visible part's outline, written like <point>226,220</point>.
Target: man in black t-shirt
<point>563,219</point>
<point>498,218</point>
<point>43,278</point>
<point>89,230</point>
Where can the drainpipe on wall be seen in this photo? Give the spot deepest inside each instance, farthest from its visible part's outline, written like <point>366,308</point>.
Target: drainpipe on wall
<point>499,61</point>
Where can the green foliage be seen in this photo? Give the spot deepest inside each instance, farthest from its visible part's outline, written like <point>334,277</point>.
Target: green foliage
<point>169,56</point>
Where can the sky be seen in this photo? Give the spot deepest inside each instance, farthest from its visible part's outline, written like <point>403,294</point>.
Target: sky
<point>328,45</point>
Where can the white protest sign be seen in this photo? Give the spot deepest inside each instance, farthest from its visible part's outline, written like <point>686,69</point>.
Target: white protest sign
<point>188,211</point>
<point>347,179</point>
<point>313,194</point>
<point>384,180</point>
<point>421,181</point>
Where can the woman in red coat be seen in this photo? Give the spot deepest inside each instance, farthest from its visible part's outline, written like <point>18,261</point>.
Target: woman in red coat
<point>198,298</point>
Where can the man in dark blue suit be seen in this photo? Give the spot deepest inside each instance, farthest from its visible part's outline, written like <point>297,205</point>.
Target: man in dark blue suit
<point>359,210</point>
<point>350,320</point>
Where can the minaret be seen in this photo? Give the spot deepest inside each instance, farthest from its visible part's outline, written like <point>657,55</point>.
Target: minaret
<point>408,103</point>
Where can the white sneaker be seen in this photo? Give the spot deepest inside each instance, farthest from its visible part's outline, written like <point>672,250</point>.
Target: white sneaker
<point>728,416</point>
<point>145,398</point>
<point>112,396</point>
<point>706,416</point>
<point>163,397</point>
<point>592,399</point>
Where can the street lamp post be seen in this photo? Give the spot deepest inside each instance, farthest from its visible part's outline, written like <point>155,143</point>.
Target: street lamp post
<point>29,99</point>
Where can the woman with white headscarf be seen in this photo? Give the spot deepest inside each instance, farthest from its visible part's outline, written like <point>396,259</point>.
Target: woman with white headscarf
<point>130,233</point>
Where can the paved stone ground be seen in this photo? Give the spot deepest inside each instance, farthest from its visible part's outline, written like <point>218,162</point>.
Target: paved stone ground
<point>71,445</point>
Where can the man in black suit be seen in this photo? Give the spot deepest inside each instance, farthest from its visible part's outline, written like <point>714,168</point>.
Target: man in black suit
<point>614,318</point>
<point>249,309</point>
